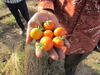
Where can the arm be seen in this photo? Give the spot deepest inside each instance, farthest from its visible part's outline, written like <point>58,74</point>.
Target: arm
<point>45,4</point>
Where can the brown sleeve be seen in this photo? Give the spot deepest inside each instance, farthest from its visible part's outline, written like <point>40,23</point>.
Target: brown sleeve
<point>45,4</point>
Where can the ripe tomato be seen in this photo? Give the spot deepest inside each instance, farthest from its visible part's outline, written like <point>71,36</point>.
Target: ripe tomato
<point>60,31</point>
<point>48,33</point>
<point>57,42</point>
<point>47,43</point>
<point>49,25</point>
<point>36,33</point>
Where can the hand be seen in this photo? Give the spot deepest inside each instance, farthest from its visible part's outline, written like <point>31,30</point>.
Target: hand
<point>42,17</point>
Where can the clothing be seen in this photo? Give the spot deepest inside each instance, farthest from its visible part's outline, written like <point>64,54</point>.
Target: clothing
<point>71,62</point>
<point>15,8</point>
<point>12,1</point>
<point>81,18</point>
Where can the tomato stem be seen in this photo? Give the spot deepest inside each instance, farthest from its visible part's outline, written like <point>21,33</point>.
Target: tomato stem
<point>48,21</point>
<point>40,45</point>
<point>40,26</point>
<point>61,38</point>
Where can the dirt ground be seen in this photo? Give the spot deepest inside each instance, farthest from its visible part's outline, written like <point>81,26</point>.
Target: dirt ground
<point>10,40</point>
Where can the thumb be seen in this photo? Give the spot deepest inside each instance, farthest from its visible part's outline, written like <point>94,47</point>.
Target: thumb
<point>38,52</point>
<point>67,43</point>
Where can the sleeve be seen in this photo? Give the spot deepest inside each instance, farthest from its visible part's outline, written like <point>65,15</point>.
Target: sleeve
<point>45,4</point>
<point>86,34</point>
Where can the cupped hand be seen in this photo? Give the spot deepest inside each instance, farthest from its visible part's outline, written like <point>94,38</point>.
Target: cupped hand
<point>42,16</point>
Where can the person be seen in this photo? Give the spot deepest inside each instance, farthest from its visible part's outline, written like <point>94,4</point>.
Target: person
<point>15,6</point>
<point>80,18</point>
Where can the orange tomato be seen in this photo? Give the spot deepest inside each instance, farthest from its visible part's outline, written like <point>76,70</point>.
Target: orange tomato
<point>47,43</point>
<point>36,33</point>
<point>48,33</point>
<point>49,25</point>
<point>60,31</point>
<point>57,42</point>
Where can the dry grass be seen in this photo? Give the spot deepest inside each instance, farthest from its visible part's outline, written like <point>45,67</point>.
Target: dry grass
<point>4,56</point>
<point>91,61</point>
<point>14,66</point>
<point>2,5</point>
<point>9,20</point>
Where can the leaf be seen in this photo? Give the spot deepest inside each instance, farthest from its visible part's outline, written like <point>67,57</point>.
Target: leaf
<point>40,26</point>
<point>61,38</point>
<point>48,21</point>
<point>37,21</point>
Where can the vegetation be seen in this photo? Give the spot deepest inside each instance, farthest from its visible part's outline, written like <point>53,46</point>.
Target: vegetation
<point>2,5</point>
<point>9,20</point>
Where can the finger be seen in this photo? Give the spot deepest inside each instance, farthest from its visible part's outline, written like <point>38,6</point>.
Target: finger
<point>53,54</point>
<point>38,52</point>
<point>28,37</point>
<point>64,49</point>
<point>60,53</point>
<point>67,43</point>
<point>32,21</point>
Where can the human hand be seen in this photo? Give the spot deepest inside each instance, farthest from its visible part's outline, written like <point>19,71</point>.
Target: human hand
<point>42,16</point>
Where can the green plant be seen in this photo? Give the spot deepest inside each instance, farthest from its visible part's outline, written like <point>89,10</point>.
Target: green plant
<point>20,55</point>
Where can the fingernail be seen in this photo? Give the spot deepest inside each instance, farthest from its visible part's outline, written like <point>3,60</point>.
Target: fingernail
<point>54,57</point>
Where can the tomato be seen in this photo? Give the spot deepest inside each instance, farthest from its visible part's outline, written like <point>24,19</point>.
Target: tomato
<point>48,33</point>
<point>36,33</point>
<point>49,25</point>
<point>57,42</point>
<point>47,43</point>
<point>60,31</point>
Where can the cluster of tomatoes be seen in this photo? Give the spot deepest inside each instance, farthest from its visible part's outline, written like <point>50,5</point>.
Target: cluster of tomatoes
<point>49,37</point>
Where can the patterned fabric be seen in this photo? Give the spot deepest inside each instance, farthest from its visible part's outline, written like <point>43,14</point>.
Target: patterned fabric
<point>12,1</point>
<point>81,18</point>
